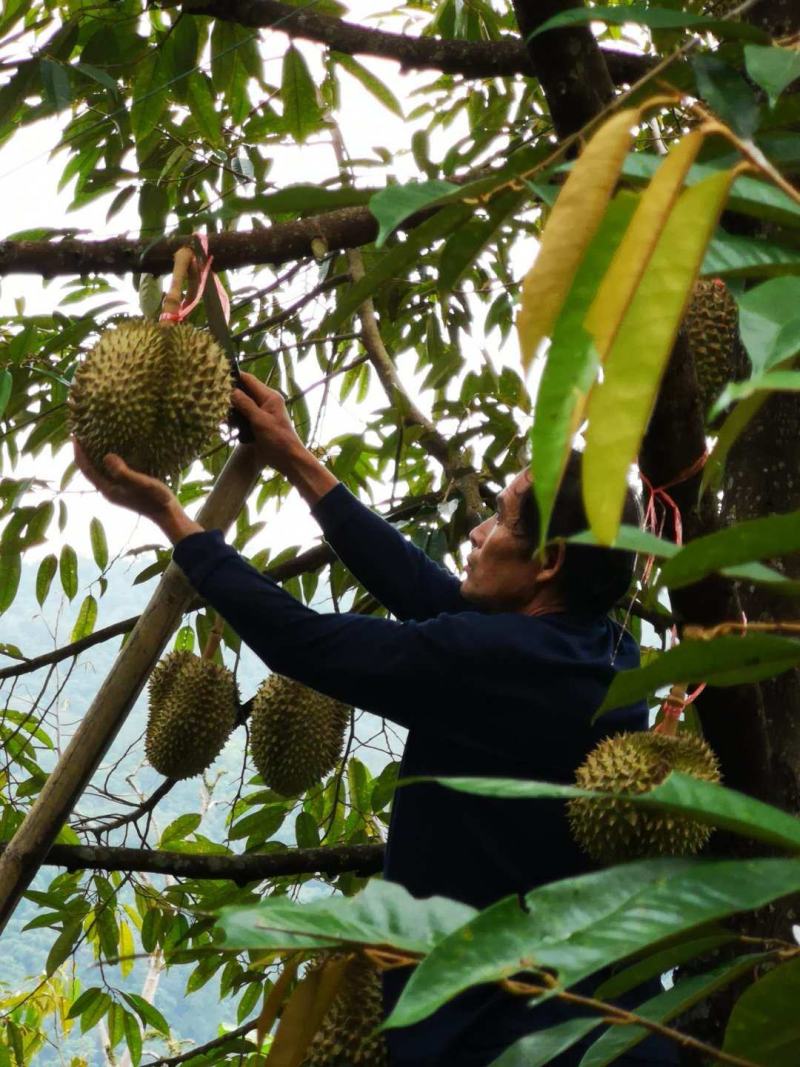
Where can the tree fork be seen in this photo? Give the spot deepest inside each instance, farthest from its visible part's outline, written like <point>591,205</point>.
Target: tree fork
<point>115,698</point>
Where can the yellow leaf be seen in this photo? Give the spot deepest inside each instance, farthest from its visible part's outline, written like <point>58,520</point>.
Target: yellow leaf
<point>274,998</point>
<point>620,406</point>
<point>574,219</point>
<point>633,253</point>
<point>303,1014</point>
<point>126,948</point>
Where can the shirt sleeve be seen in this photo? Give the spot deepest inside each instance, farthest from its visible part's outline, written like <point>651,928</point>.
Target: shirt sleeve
<point>397,573</point>
<point>399,670</point>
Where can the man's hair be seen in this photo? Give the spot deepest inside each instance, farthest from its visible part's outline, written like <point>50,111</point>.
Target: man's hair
<point>592,578</point>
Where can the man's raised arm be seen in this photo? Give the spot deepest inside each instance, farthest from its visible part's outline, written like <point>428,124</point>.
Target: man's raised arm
<point>394,571</point>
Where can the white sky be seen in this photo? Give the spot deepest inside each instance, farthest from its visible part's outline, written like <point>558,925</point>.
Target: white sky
<point>29,179</point>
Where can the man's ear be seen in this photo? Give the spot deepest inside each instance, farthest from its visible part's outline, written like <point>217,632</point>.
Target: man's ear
<point>552,562</point>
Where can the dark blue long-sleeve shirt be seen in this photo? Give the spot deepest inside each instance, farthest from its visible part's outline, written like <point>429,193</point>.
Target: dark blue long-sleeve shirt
<point>505,695</point>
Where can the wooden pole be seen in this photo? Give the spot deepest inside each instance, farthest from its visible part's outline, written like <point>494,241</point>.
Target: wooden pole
<point>28,848</point>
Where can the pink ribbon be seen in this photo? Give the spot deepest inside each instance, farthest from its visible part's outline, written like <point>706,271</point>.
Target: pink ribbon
<point>187,307</point>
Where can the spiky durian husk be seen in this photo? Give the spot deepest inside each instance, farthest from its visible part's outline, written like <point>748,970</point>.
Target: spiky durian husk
<point>193,708</point>
<point>347,1037</point>
<point>614,830</point>
<point>711,325</point>
<point>153,394</point>
<point>296,734</point>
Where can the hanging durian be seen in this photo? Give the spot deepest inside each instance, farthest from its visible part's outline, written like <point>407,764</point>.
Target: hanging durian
<point>154,394</point>
<point>296,734</point>
<point>347,1036</point>
<point>193,708</point>
<point>711,325</point>
<point>612,831</point>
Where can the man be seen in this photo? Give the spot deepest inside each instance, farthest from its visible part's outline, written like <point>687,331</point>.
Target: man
<point>496,675</point>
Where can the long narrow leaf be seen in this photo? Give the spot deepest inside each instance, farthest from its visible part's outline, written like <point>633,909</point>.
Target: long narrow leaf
<point>711,804</point>
<point>575,927</point>
<point>574,221</point>
<point>619,408</point>
<point>633,254</point>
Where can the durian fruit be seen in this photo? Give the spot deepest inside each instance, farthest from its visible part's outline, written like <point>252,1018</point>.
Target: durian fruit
<point>711,325</point>
<point>347,1037</point>
<point>193,708</point>
<point>296,734</point>
<point>153,394</point>
<point>612,831</point>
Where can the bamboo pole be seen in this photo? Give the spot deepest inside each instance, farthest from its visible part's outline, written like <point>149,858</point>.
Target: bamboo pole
<point>28,848</point>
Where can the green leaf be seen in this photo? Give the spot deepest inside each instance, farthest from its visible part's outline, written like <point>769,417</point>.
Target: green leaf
<point>180,828</point>
<point>776,535</point>
<point>722,661</point>
<point>149,97</point>
<point>617,1040</point>
<point>395,203</point>
<point>772,68</point>
<point>56,84</point>
<point>44,577</point>
<point>731,430</point>
<point>68,569</point>
<point>63,945</point>
<point>466,244</point>
<point>6,384</point>
<point>765,314</point>
<point>200,99</point>
<point>302,114</point>
<point>727,93</point>
<point>733,256</point>
<point>97,536</point>
<point>657,18</point>
<point>371,83</point>
<point>620,406</point>
<point>764,1025</point>
<point>84,1001</point>
<point>611,915</point>
<point>87,617</point>
<point>748,196</point>
<point>776,381</point>
<point>384,913</point>
<point>133,1037</point>
<point>10,572</point>
<point>396,259</point>
<point>184,639</point>
<point>659,963</point>
<point>571,366</point>
<point>541,1048</point>
<point>711,804</point>
<point>306,830</point>
<point>149,1015</point>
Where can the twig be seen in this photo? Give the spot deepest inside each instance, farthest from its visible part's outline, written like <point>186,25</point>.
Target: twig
<point>202,1050</point>
<point>620,1017</point>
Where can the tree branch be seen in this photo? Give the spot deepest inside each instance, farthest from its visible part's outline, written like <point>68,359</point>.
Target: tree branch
<point>472,59</point>
<point>366,859</point>
<point>210,1046</point>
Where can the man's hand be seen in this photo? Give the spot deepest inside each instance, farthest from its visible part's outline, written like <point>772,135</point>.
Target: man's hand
<point>137,492</point>
<point>276,443</point>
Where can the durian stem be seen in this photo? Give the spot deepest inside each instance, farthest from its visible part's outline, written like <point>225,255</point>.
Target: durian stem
<point>183,261</point>
<point>671,711</point>
<point>214,638</point>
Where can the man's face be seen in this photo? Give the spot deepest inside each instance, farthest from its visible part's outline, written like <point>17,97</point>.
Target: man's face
<point>501,573</point>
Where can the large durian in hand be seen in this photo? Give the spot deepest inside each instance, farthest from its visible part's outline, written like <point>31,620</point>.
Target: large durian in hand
<point>347,1037</point>
<point>153,394</point>
<point>611,830</point>
<point>711,326</point>
<point>193,708</point>
<point>296,734</point>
